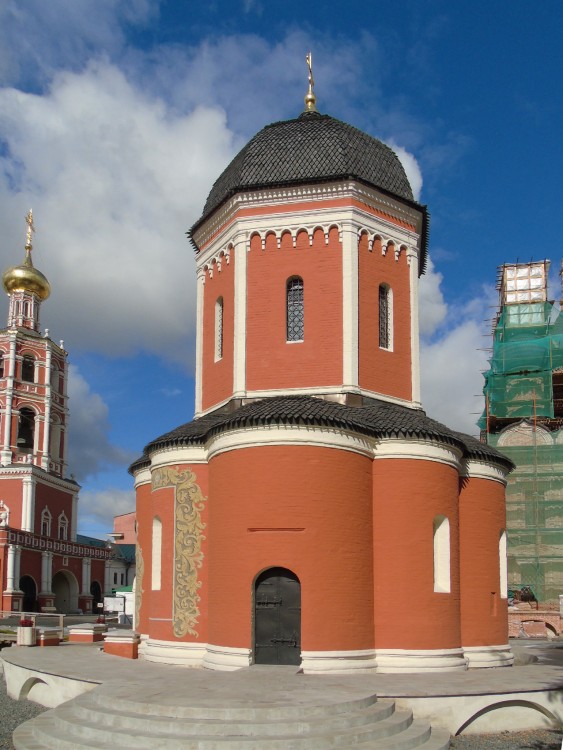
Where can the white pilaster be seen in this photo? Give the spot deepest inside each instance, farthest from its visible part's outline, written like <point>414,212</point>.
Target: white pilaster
<point>6,455</point>
<point>412,259</point>
<point>47,424</point>
<point>239,356</point>
<point>350,305</point>
<point>200,288</point>
<point>28,504</point>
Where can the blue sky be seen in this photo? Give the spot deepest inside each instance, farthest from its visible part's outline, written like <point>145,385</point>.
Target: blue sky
<point>116,116</point>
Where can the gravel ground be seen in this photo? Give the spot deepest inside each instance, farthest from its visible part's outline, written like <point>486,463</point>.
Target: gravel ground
<point>12,714</point>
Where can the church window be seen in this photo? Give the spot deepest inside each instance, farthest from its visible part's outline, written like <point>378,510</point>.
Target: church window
<point>503,563</point>
<point>1,365</point>
<point>63,527</point>
<point>156,554</point>
<point>28,369</point>
<point>442,582</point>
<point>26,429</point>
<point>219,329</point>
<point>45,522</point>
<point>385,317</point>
<point>295,309</point>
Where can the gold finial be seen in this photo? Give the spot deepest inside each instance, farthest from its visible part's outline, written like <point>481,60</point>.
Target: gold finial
<point>29,235</point>
<point>310,98</point>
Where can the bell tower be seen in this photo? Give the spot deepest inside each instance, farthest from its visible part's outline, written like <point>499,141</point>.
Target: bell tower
<point>33,374</point>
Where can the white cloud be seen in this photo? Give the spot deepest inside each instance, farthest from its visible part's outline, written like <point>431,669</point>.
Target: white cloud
<point>89,446</point>
<point>97,509</point>
<point>115,180</point>
<point>411,167</point>
<point>432,307</point>
<point>451,375</point>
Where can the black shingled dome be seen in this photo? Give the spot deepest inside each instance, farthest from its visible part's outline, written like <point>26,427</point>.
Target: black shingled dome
<point>314,148</point>
<point>311,147</point>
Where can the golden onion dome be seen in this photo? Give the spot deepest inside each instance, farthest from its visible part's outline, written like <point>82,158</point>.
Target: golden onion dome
<point>26,278</point>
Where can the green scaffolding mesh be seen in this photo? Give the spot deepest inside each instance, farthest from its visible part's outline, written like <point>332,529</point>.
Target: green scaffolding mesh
<point>519,390</point>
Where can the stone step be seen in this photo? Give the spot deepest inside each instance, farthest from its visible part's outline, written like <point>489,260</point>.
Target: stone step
<point>218,709</point>
<point>65,728</point>
<point>86,710</point>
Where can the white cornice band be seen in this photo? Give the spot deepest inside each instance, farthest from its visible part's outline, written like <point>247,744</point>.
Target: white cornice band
<point>484,470</point>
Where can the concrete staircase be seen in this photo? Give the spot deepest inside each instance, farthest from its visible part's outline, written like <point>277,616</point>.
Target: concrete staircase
<point>100,719</point>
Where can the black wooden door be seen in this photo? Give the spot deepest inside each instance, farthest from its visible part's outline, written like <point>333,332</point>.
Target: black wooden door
<point>277,618</point>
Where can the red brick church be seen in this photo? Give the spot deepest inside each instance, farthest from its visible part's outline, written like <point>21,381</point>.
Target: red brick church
<point>312,513</point>
<point>44,564</point>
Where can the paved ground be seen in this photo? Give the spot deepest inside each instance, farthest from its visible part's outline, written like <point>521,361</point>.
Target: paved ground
<point>550,656</point>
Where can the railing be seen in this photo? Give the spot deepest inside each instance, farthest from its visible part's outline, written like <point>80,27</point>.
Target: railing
<point>6,614</point>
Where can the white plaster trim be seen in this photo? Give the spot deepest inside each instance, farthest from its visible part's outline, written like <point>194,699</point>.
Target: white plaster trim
<point>192,454</point>
<point>338,662</point>
<point>390,661</point>
<point>22,470</point>
<point>174,652</point>
<point>226,658</point>
<point>424,450</point>
<point>143,476</point>
<point>476,469</point>
<point>267,435</point>
<point>213,231</point>
<point>480,657</point>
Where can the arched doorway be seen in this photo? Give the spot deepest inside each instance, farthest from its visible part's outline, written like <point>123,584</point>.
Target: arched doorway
<point>29,588</point>
<point>65,589</point>
<point>277,617</point>
<point>96,592</point>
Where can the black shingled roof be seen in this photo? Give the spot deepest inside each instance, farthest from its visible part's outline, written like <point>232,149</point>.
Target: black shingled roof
<point>379,419</point>
<point>313,148</point>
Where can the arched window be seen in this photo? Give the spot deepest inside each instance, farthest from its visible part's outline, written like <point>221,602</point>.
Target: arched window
<point>219,329</point>
<point>63,527</point>
<point>295,309</point>
<point>46,522</point>
<point>1,365</point>
<point>385,317</point>
<point>28,369</point>
<point>503,565</point>
<point>26,429</point>
<point>156,554</point>
<point>442,583</point>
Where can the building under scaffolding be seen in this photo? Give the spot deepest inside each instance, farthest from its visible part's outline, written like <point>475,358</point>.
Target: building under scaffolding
<point>524,418</point>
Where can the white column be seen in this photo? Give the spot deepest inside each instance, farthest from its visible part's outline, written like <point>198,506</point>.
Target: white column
<point>47,424</point>
<point>46,572</point>
<point>6,455</point>
<point>200,288</point>
<point>86,574</point>
<point>28,504</point>
<point>11,568</point>
<point>74,518</point>
<point>412,259</point>
<point>107,577</point>
<point>350,305</point>
<point>17,568</point>
<point>239,357</point>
